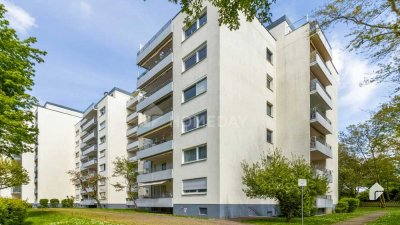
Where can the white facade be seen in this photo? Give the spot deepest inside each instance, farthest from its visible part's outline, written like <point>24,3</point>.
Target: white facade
<point>100,138</point>
<point>210,98</point>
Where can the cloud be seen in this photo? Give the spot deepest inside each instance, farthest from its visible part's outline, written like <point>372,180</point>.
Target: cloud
<point>19,19</point>
<point>83,8</point>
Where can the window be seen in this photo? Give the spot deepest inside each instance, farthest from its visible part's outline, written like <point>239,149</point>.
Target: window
<point>269,55</point>
<point>195,186</point>
<point>195,154</point>
<point>164,166</point>
<point>102,167</point>
<point>102,153</point>
<point>269,136</point>
<point>77,143</point>
<point>76,154</point>
<point>103,140</point>
<point>195,90</point>
<point>269,109</point>
<point>103,111</point>
<point>202,211</point>
<point>102,195</point>
<point>77,133</point>
<point>77,165</point>
<point>196,25</point>
<point>269,82</point>
<point>102,182</point>
<point>195,57</point>
<point>194,122</point>
<point>102,125</point>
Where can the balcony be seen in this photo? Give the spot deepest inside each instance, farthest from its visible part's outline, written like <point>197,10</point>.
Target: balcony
<point>88,190</point>
<point>155,123</point>
<point>320,69</point>
<point>89,137</point>
<point>132,101</point>
<point>155,176</point>
<point>324,202</point>
<point>90,163</point>
<point>325,172</point>
<point>154,202</point>
<point>88,202</point>
<point>90,109</point>
<point>154,149</point>
<point>320,42</point>
<point>91,149</point>
<point>154,42</point>
<point>16,190</point>
<point>131,117</point>
<point>319,96</point>
<point>320,122</point>
<point>89,124</point>
<point>132,145</point>
<point>131,131</point>
<point>133,159</point>
<point>153,97</point>
<point>320,149</point>
<point>148,75</point>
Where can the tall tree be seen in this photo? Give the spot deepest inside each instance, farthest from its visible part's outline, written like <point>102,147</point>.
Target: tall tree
<point>276,177</point>
<point>374,31</point>
<point>88,183</point>
<point>228,10</point>
<point>12,173</point>
<point>351,173</point>
<point>17,61</point>
<point>129,171</point>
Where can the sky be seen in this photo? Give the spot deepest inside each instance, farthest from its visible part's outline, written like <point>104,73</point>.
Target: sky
<point>91,47</point>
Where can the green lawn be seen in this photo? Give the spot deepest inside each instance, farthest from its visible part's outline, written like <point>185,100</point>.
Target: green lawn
<point>391,217</point>
<point>36,217</point>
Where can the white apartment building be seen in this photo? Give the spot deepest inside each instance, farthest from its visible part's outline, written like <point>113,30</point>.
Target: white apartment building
<point>52,158</point>
<point>210,98</point>
<point>100,137</point>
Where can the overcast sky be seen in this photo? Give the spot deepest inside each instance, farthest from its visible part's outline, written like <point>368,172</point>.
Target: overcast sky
<point>92,47</point>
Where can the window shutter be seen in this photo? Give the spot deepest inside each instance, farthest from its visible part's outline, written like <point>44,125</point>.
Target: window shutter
<point>195,184</point>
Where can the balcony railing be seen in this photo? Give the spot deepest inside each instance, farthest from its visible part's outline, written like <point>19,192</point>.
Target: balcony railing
<point>92,148</point>
<point>320,69</point>
<point>89,137</point>
<point>91,162</point>
<point>88,124</point>
<point>154,123</point>
<point>154,202</point>
<point>155,176</point>
<point>324,202</point>
<point>131,116</point>
<point>132,145</point>
<point>155,148</point>
<point>319,146</point>
<point>315,83</point>
<point>16,190</point>
<point>161,195</point>
<point>318,37</point>
<point>154,37</point>
<point>319,95</point>
<point>131,101</point>
<point>165,60</point>
<point>320,122</point>
<point>88,202</point>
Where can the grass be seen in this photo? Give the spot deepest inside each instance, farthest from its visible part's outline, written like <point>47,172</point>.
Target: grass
<point>36,217</point>
<point>318,220</point>
<point>392,216</point>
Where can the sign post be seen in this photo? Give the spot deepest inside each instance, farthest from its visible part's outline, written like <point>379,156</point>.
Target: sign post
<point>302,184</point>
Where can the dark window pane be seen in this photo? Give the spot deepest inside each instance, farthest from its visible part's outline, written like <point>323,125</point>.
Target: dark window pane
<point>189,124</point>
<point>269,56</point>
<point>203,53</point>
<point>202,119</point>
<point>191,30</point>
<point>203,152</point>
<point>190,155</point>
<point>269,136</point>
<point>189,93</point>
<point>203,20</point>
<point>189,62</point>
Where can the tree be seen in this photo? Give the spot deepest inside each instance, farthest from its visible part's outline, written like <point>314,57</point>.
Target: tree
<point>374,30</point>
<point>88,183</point>
<point>228,10</point>
<point>12,174</point>
<point>18,58</point>
<point>129,171</point>
<point>276,177</point>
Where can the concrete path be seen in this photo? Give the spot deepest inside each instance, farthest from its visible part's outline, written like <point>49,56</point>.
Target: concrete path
<point>362,220</point>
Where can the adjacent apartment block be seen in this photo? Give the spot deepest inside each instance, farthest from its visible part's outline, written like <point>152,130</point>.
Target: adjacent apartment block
<point>52,156</point>
<point>100,137</point>
<point>209,98</point>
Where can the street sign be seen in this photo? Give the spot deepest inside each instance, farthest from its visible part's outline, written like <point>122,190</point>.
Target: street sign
<point>302,182</point>
<point>375,191</point>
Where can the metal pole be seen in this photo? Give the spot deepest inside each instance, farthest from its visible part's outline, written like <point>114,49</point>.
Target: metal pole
<point>302,210</point>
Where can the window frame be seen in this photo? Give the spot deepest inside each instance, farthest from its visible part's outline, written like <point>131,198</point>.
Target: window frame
<point>197,150</point>
<point>270,83</point>
<point>198,25</point>
<point>195,191</point>
<point>272,138</point>
<point>271,54</point>
<point>100,125</point>
<point>195,85</point>
<point>202,213</point>
<point>102,111</point>
<point>194,53</point>
<point>269,104</point>
<point>196,117</point>
<point>102,170</point>
<point>102,142</point>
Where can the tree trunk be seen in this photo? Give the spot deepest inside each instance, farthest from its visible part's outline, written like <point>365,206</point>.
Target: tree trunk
<point>98,203</point>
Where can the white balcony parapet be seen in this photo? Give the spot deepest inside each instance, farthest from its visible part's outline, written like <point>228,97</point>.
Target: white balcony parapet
<point>154,41</point>
<point>89,137</point>
<point>154,202</point>
<point>131,101</point>
<point>131,116</point>
<point>320,122</point>
<point>131,131</point>
<point>321,42</point>
<point>155,176</point>
<point>152,149</point>
<point>146,101</point>
<point>319,96</point>
<point>132,145</point>
<point>90,123</point>
<point>88,202</point>
<point>324,202</point>
<point>133,159</point>
<point>325,172</point>
<point>89,109</point>
<point>148,126</point>
<point>320,69</point>
<point>91,149</point>
<point>167,60</point>
<point>320,149</point>
<point>89,163</point>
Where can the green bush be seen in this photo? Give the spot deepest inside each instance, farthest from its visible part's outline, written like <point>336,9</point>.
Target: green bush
<point>342,207</point>
<point>12,211</point>
<point>67,202</point>
<point>352,202</point>
<point>43,203</point>
<point>363,196</point>
<point>54,203</point>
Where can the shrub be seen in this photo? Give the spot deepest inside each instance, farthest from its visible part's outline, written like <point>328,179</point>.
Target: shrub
<point>67,202</point>
<point>363,196</point>
<point>12,211</point>
<point>54,203</point>
<point>342,207</point>
<point>352,202</point>
<point>43,203</point>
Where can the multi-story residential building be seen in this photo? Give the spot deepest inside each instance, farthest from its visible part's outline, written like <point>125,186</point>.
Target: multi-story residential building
<point>100,139</point>
<point>210,98</point>
<point>53,155</point>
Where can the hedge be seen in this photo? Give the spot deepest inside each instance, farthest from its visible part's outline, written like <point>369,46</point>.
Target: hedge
<point>43,203</point>
<point>342,207</point>
<point>353,203</point>
<point>12,211</point>
<point>54,203</point>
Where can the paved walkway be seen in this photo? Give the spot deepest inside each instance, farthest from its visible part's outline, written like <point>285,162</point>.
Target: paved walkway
<point>362,220</point>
